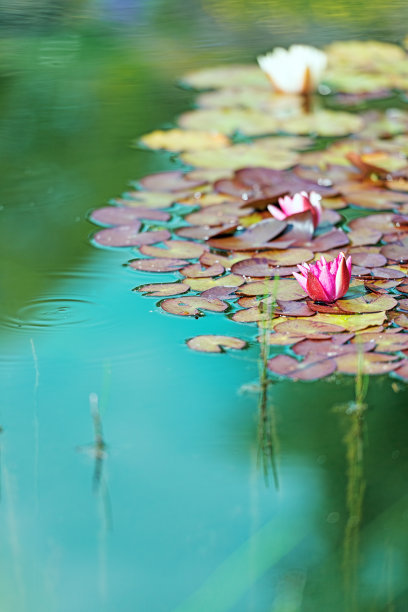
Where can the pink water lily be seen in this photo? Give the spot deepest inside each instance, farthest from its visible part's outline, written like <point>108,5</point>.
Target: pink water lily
<point>300,202</point>
<point>325,281</point>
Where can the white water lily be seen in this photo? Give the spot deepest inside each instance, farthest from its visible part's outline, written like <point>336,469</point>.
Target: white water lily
<point>296,70</point>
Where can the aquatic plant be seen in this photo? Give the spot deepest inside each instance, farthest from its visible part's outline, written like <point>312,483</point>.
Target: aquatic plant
<point>297,70</point>
<point>212,225</point>
<point>325,281</point>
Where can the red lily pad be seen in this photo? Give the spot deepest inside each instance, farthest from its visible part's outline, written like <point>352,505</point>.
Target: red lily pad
<point>215,344</point>
<point>162,289</point>
<point>126,215</point>
<point>159,264</point>
<point>192,306</point>
<point>179,249</point>
<point>308,369</point>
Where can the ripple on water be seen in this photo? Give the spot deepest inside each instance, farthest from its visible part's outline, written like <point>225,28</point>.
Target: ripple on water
<point>53,313</point>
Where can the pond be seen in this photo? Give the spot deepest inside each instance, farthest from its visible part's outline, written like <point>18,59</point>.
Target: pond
<point>135,473</point>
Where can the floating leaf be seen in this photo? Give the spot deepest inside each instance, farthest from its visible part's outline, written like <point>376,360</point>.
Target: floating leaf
<point>362,237</point>
<point>126,215</point>
<point>197,271</point>
<point>185,140</point>
<point>329,348</point>
<point>159,264</point>
<point>308,369</point>
<point>331,240</point>
<point>395,252</point>
<point>250,315</point>
<point>229,75</point>
<point>222,293</point>
<point>128,235</point>
<point>180,249</point>
<point>229,120</point>
<point>287,290</point>
<point>369,260</point>
<point>202,232</point>
<point>402,370</point>
<point>323,123</point>
<point>309,328</point>
<point>366,363</point>
<point>261,267</point>
<point>215,344</point>
<point>293,309</point>
<point>387,342</point>
<point>174,180</point>
<point>162,289</point>
<point>368,303</point>
<point>239,155</point>
<point>201,284</point>
<point>352,322</point>
<point>192,306</point>
<point>258,236</point>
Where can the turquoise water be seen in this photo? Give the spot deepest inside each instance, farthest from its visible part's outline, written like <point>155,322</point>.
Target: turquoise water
<point>174,512</point>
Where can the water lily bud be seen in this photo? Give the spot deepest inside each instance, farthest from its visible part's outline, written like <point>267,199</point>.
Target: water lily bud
<point>300,202</point>
<point>297,70</point>
<point>325,281</point>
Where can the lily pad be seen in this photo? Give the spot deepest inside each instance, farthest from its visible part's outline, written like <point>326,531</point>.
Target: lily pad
<point>287,290</point>
<point>161,264</point>
<point>215,344</point>
<point>309,328</point>
<point>257,236</point>
<point>185,140</point>
<point>191,306</point>
<point>129,235</point>
<point>366,363</point>
<point>352,322</point>
<point>368,303</point>
<point>198,271</point>
<point>229,75</point>
<point>308,369</point>
<point>324,123</point>
<point>126,215</point>
<point>180,249</point>
<point>162,289</point>
<point>229,120</point>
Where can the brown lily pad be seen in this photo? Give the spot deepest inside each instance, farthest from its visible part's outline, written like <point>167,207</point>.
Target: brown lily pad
<point>329,348</point>
<point>202,232</point>
<point>126,215</point>
<point>308,369</point>
<point>197,271</point>
<point>162,289</point>
<point>173,180</point>
<point>308,328</point>
<point>369,260</point>
<point>215,344</point>
<point>185,140</point>
<point>255,237</point>
<point>366,363</point>
<point>395,252</point>
<point>129,235</point>
<point>179,249</point>
<point>293,309</point>
<point>159,264</point>
<point>368,303</point>
<point>287,290</point>
<point>192,306</point>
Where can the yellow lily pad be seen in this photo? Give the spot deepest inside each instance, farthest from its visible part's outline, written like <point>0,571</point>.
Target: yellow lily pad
<point>185,140</point>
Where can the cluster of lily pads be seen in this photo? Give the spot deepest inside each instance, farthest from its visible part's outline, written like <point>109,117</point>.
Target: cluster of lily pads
<point>244,148</point>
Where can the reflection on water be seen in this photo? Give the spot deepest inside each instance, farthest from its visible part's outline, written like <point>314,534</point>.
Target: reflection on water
<point>195,526</point>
